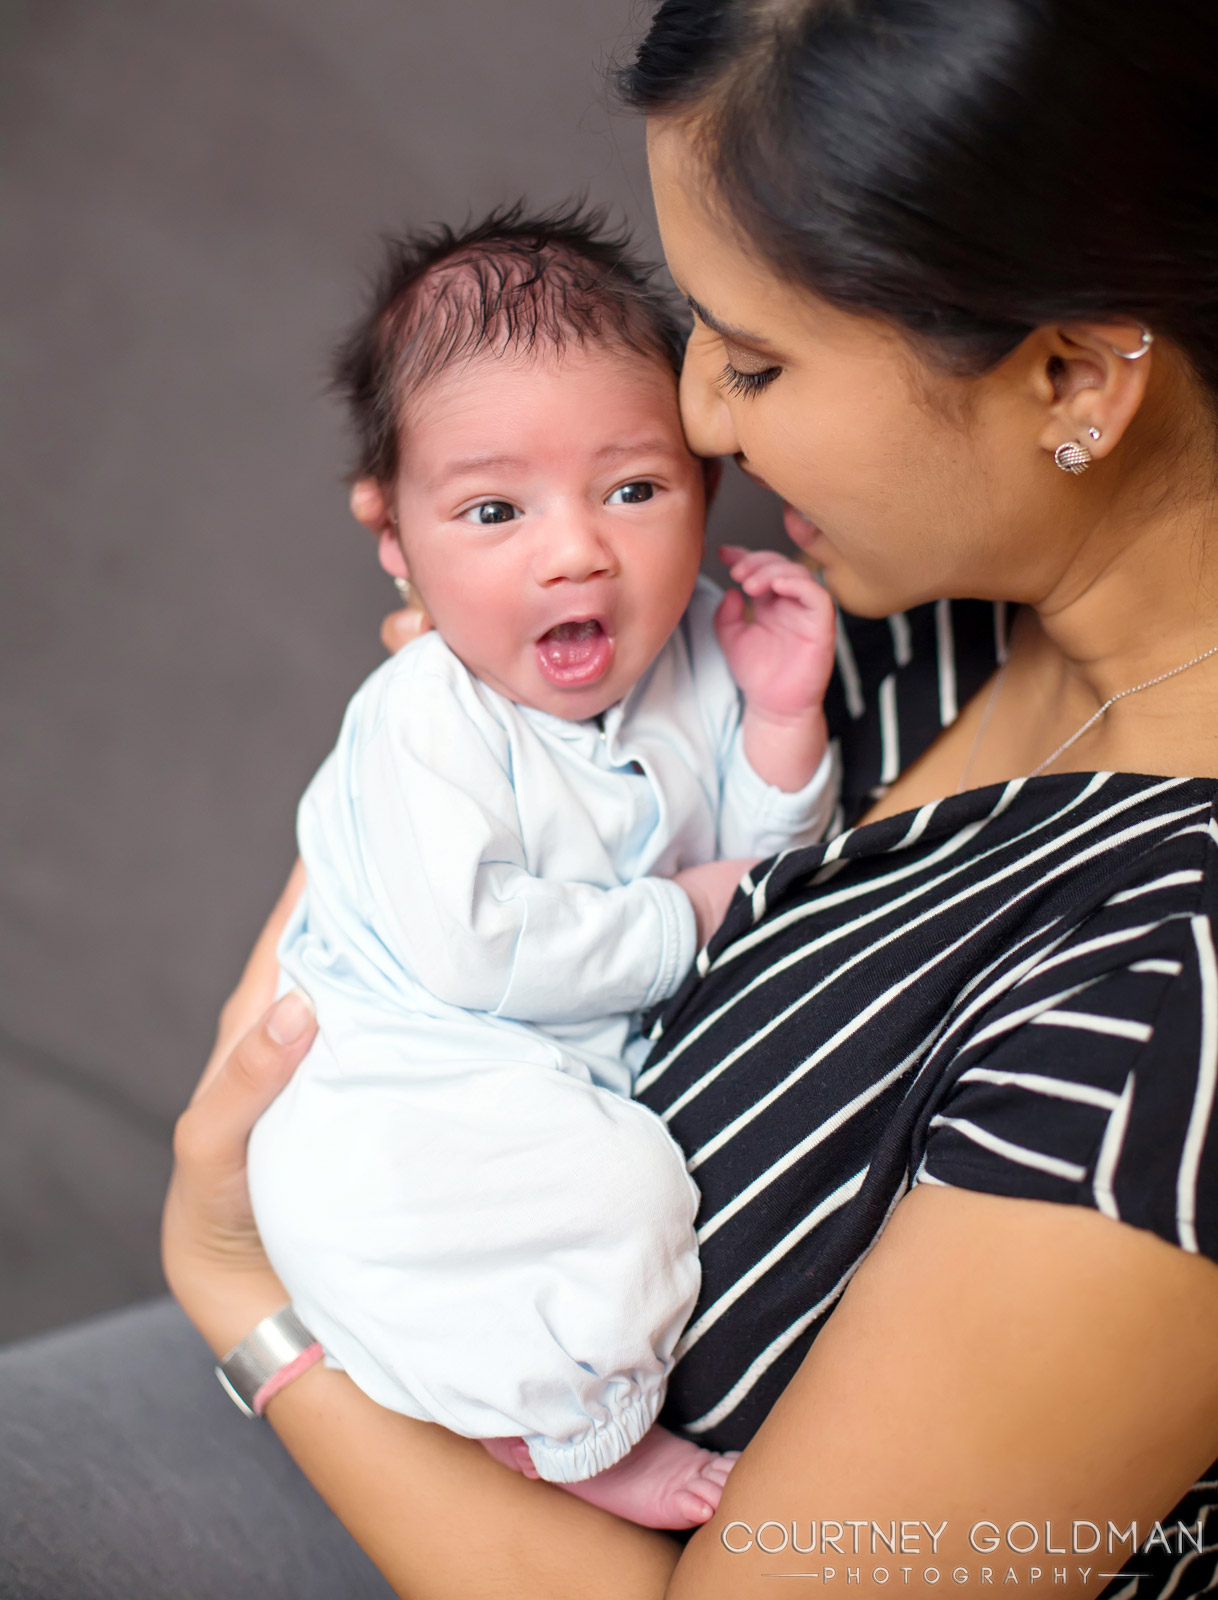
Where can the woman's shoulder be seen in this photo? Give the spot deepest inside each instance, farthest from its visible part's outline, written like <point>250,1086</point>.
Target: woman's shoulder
<point>1093,1080</point>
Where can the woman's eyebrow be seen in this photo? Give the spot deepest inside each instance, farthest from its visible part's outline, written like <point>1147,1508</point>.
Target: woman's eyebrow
<point>725,329</point>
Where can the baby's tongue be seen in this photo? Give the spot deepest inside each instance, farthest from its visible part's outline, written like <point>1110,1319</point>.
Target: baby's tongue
<point>570,644</point>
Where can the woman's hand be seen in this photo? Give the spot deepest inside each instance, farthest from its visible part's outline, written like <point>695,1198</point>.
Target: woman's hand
<point>213,1258</point>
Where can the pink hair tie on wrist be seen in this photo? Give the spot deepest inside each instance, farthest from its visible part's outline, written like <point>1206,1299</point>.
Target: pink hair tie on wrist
<point>306,1359</point>
<point>278,1350</point>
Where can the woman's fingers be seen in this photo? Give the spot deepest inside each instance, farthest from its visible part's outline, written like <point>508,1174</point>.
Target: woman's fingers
<point>212,1133</point>
<point>213,1258</point>
<point>400,627</point>
<point>256,988</point>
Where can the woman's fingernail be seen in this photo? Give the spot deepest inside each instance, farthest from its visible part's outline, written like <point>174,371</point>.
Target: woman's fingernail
<point>290,1016</point>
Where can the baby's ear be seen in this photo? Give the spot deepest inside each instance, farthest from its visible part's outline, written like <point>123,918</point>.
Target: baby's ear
<point>369,504</point>
<point>389,553</point>
<point>712,477</point>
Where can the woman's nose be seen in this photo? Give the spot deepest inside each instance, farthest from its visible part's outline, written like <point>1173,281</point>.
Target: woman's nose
<point>704,412</point>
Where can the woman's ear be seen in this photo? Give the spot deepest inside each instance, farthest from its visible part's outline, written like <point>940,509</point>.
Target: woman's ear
<point>1088,383</point>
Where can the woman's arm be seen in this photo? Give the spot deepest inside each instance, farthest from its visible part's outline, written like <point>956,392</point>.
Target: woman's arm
<point>993,1359</point>
<point>434,1511</point>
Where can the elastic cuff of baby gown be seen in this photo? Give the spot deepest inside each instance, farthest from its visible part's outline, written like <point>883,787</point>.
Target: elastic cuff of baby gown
<point>678,938</point>
<point>602,1445</point>
<point>760,819</point>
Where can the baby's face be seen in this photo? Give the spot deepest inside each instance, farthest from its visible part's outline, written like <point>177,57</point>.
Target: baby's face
<point>552,521</point>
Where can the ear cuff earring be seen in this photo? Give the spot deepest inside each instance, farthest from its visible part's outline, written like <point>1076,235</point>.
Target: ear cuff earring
<point>1148,339</point>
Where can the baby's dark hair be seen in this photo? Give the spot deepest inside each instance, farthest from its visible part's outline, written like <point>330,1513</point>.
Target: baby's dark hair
<point>512,282</point>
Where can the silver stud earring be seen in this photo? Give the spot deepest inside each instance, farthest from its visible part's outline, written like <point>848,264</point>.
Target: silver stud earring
<point>402,585</point>
<point>1095,433</point>
<point>1072,457</point>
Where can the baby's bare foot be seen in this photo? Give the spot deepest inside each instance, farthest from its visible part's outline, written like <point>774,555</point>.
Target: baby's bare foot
<point>664,1482</point>
<point>512,1453</point>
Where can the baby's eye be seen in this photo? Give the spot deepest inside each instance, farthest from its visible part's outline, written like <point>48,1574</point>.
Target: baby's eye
<point>631,494</point>
<point>489,512</point>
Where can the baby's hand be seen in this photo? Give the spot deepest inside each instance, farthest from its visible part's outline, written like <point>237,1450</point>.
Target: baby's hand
<point>710,888</point>
<point>783,658</point>
<point>782,661</point>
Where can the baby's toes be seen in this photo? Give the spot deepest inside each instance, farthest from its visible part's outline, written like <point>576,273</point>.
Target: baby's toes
<point>708,1484</point>
<point>694,1507</point>
<point>717,1469</point>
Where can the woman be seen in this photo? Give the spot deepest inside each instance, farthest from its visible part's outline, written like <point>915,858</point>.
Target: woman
<point>948,1084</point>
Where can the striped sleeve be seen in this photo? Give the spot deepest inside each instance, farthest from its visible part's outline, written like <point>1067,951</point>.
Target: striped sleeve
<point>1095,1083</point>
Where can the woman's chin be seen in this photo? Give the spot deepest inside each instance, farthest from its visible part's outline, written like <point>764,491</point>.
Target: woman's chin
<point>860,595</point>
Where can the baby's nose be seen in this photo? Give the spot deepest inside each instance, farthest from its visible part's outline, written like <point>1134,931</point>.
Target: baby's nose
<point>573,551</point>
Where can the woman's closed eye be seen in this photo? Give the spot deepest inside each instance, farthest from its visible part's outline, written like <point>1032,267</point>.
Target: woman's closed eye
<point>733,381</point>
<point>631,494</point>
<point>487,513</point>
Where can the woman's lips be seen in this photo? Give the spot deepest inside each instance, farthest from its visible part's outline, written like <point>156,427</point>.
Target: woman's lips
<point>801,530</point>
<point>575,653</point>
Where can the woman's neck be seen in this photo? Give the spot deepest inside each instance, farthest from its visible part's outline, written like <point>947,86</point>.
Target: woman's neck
<point>1139,599</point>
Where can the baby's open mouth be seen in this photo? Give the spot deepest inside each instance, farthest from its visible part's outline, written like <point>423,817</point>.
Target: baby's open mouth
<point>576,652</point>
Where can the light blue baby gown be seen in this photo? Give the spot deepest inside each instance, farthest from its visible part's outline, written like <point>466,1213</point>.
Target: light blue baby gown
<point>465,1205</point>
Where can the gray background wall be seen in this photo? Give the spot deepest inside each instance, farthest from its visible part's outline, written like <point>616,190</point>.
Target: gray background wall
<point>190,195</point>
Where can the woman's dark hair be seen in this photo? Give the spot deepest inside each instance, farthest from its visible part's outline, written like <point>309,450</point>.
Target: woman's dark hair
<point>513,281</point>
<point>966,169</point>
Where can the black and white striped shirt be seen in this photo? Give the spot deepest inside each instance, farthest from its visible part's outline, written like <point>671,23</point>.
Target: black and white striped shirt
<point>1013,990</point>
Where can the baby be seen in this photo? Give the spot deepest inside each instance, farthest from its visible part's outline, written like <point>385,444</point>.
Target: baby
<point>511,853</point>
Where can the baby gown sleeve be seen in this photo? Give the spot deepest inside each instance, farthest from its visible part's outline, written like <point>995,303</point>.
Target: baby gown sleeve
<point>481,1237</point>
<point>424,799</point>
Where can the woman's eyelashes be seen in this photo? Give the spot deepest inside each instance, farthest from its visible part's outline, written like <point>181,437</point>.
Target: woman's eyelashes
<point>732,381</point>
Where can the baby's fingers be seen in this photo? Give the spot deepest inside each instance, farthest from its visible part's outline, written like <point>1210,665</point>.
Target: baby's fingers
<point>742,563</point>
<point>785,578</point>
<point>753,569</point>
<point>730,615</point>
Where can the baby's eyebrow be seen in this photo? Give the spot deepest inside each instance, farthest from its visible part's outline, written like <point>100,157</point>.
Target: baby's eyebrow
<point>636,447</point>
<point>465,466</point>
<point>469,464</point>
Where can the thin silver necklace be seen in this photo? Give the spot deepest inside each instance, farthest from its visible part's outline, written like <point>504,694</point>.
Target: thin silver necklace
<point>1091,721</point>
